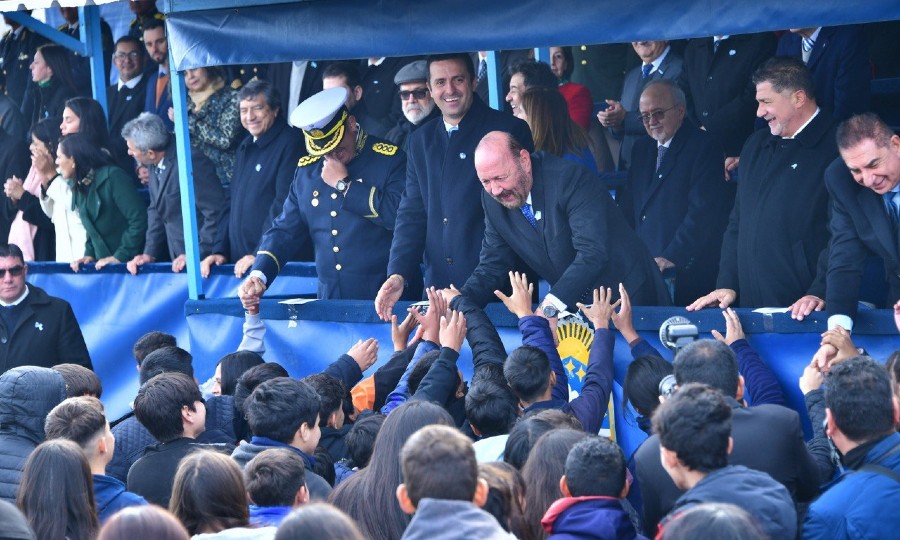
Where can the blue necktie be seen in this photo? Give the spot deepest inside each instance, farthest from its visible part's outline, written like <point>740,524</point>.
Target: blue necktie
<point>482,70</point>
<point>452,130</point>
<point>529,215</point>
<point>660,152</point>
<point>645,70</point>
<point>891,203</point>
<point>807,44</point>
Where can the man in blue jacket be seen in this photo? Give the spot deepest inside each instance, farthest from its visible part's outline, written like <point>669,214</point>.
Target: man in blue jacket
<point>861,416</point>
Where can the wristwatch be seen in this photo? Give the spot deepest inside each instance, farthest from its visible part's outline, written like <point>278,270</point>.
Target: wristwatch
<point>549,311</point>
<point>342,186</point>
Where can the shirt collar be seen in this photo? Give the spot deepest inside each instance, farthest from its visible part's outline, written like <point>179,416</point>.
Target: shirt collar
<point>815,35</point>
<point>656,63</point>
<point>377,62</point>
<point>131,83</point>
<point>17,301</point>
<point>794,136</point>
<point>163,71</point>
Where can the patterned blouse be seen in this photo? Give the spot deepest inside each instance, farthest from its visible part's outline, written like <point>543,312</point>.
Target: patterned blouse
<point>216,130</point>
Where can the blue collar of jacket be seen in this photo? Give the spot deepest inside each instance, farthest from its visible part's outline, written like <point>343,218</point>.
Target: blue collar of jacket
<point>265,441</point>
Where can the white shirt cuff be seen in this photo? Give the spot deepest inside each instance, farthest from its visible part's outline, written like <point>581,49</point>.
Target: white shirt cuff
<point>840,320</point>
<point>555,302</point>
<point>260,275</point>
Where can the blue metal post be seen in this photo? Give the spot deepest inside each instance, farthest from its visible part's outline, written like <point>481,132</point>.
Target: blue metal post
<point>90,36</point>
<point>186,182</point>
<point>493,76</point>
<point>54,35</point>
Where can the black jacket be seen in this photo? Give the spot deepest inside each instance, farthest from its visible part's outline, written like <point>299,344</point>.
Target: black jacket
<point>27,394</point>
<point>46,334</point>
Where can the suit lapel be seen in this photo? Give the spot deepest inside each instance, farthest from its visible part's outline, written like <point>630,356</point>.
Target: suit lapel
<point>818,48</point>
<point>873,208</point>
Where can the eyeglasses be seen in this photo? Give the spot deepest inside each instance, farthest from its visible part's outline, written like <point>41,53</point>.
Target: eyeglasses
<point>122,55</point>
<point>418,93</point>
<point>15,271</point>
<point>655,115</point>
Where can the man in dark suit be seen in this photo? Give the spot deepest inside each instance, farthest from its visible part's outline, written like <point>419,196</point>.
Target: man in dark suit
<point>125,100</point>
<point>81,67</point>
<point>838,58</point>
<point>766,438</point>
<point>864,185</point>
<point>439,214</point>
<point>676,198</point>
<point>159,87</point>
<point>561,221</point>
<point>152,145</point>
<point>659,61</point>
<point>505,60</point>
<point>716,80</point>
<point>295,81</point>
<point>778,227</point>
<point>377,80</point>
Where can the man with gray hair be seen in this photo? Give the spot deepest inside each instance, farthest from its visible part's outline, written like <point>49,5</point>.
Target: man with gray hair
<point>150,143</point>
<point>416,101</point>
<point>676,197</point>
<point>263,171</point>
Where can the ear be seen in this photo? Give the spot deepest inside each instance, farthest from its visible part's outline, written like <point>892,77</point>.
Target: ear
<point>896,411</point>
<point>302,497</point>
<point>405,502</point>
<point>564,486</point>
<point>552,379</point>
<point>730,445</point>
<point>525,159</point>
<point>740,389</point>
<point>668,457</point>
<point>481,492</point>
<point>475,430</point>
<point>102,447</point>
<point>625,489</point>
<point>830,426</point>
<point>358,92</point>
<point>332,420</point>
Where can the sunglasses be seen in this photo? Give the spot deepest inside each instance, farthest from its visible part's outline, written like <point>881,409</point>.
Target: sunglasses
<point>15,271</point>
<point>418,93</point>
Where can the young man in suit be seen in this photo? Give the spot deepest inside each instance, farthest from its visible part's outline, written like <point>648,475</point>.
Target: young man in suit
<point>126,98</point>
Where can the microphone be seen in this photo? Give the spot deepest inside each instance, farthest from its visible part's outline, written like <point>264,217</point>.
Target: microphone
<point>676,332</point>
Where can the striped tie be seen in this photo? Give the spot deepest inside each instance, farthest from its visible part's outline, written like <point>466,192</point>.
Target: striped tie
<point>645,70</point>
<point>806,47</point>
<point>529,215</point>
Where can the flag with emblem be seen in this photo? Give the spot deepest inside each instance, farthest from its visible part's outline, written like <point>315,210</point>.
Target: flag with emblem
<point>575,340</point>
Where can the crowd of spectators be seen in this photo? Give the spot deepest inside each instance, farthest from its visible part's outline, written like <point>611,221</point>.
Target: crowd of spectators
<point>753,168</point>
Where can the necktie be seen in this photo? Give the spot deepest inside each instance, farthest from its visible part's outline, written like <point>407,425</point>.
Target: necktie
<point>806,47</point>
<point>645,70</point>
<point>893,206</point>
<point>529,215</point>
<point>161,83</point>
<point>660,152</point>
<point>482,70</point>
<point>452,130</point>
<point>716,45</point>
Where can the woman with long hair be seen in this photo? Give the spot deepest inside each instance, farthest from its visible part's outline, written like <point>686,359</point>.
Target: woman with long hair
<point>148,521</point>
<point>209,497</point>
<point>52,77</point>
<point>32,229</point>
<point>213,119</point>
<point>545,466</point>
<point>112,212</point>
<point>369,496</point>
<point>230,368</point>
<point>85,115</point>
<point>320,521</point>
<point>553,130</point>
<point>56,492</point>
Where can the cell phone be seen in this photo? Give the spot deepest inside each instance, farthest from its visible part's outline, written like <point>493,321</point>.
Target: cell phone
<point>601,106</point>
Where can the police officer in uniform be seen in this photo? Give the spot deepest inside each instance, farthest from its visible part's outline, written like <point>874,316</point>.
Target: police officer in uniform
<point>17,49</point>
<point>344,197</point>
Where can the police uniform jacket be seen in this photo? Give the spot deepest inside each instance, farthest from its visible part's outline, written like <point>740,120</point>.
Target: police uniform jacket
<point>351,234</point>
<point>16,55</point>
<point>263,171</point>
<point>441,214</point>
<point>779,224</point>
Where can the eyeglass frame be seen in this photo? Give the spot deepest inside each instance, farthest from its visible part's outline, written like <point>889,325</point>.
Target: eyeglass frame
<point>14,271</point>
<point>655,115</point>
<point>405,94</point>
<point>123,55</point>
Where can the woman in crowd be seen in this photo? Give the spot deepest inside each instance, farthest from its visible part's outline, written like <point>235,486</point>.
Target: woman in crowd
<point>641,387</point>
<point>32,229</point>
<point>112,212</point>
<point>369,496</point>
<point>506,496</point>
<point>56,493</point>
<point>213,119</point>
<point>52,86</point>
<point>545,466</point>
<point>577,96</point>
<point>208,497</point>
<point>552,130</point>
<point>148,521</point>
<point>230,368</point>
<point>85,115</point>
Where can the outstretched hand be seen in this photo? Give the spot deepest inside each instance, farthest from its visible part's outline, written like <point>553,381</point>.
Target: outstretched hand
<point>519,302</point>
<point>733,329</point>
<point>453,330</point>
<point>601,310</point>
<point>622,318</point>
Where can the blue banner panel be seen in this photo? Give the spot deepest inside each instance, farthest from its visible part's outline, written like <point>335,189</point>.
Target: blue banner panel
<point>346,29</point>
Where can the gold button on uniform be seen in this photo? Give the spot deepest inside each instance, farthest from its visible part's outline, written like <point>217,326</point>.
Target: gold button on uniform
<point>333,213</point>
<point>335,249</point>
<point>337,267</point>
<point>333,232</point>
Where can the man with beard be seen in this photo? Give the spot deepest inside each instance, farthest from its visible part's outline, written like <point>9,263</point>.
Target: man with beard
<point>415,99</point>
<point>562,222</point>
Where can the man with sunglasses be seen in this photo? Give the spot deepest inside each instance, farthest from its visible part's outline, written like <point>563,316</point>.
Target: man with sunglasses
<point>676,198</point>
<point>343,198</point>
<point>36,329</point>
<point>415,99</point>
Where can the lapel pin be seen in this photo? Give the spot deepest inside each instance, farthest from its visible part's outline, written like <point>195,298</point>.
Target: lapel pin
<point>39,326</point>
<point>794,166</point>
<point>258,167</point>
<point>732,52</point>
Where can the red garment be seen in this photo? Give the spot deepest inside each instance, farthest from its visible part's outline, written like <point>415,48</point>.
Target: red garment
<point>581,104</point>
